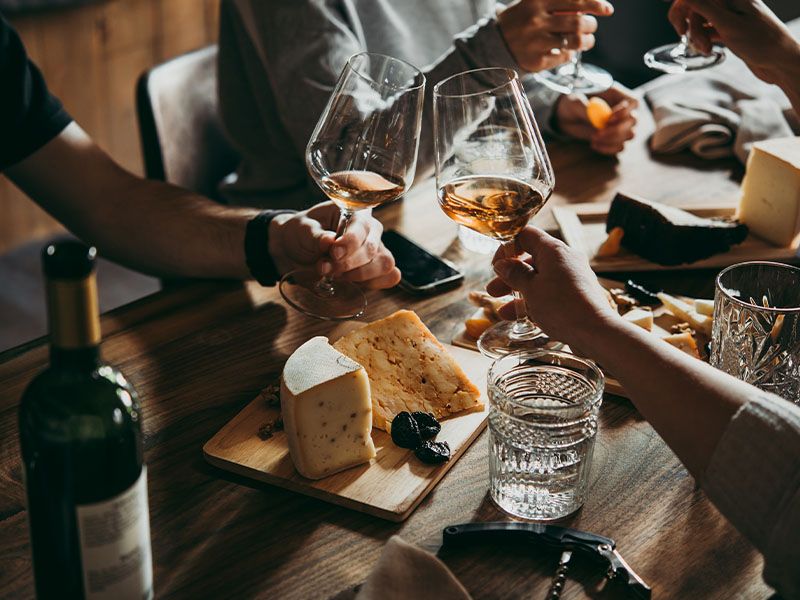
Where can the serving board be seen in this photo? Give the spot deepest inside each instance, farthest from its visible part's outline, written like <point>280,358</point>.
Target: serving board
<point>583,226</point>
<point>390,486</point>
<point>662,321</point>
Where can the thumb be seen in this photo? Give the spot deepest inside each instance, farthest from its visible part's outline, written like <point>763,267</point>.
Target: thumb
<point>514,273</point>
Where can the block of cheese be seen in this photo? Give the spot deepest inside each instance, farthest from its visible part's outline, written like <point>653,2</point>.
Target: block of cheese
<point>408,369</point>
<point>326,409</point>
<point>686,312</point>
<point>770,201</point>
<point>642,317</point>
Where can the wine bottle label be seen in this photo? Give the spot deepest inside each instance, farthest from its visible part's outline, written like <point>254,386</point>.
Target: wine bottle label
<point>115,546</point>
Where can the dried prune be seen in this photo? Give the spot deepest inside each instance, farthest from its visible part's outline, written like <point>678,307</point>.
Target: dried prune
<point>641,293</point>
<point>433,453</point>
<point>405,431</point>
<point>429,427</point>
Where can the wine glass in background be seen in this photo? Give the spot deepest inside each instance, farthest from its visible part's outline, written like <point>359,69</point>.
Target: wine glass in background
<point>576,77</point>
<point>492,172</point>
<point>682,56</point>
<point>363,153</point>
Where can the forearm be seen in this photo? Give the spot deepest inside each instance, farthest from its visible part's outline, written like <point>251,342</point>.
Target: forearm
<point>688,402</point>
<point>788,77</point>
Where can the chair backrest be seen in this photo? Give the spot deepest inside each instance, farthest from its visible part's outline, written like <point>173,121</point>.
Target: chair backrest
<point>181,134</point>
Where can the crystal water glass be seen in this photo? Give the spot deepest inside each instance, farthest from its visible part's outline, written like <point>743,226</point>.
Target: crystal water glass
<point>756,333</point>
<point>542,427</point>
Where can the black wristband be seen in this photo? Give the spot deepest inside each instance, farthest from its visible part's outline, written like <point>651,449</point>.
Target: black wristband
<point>256,247</point>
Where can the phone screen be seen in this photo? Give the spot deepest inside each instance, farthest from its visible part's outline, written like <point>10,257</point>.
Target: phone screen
<point>420,268</point>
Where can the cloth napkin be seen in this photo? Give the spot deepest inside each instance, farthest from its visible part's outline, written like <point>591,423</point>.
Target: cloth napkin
<point>718,112</point>
<point>405,571</point>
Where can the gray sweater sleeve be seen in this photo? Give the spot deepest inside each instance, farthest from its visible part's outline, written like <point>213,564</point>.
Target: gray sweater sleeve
<point>303,44</point>
<point>754,480</point>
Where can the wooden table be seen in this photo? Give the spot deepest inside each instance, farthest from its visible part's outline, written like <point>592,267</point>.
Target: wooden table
<point>199,354</point>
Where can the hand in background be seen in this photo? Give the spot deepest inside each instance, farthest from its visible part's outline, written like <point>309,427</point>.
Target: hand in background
<point>561,293</point>
<point>571,120</point>
<point>748,27</point>
<point>308,238</point>
<point>540,33</point>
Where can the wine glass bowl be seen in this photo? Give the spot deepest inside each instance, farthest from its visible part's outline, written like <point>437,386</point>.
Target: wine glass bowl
<point>362,153</point>
<point>493,173</point>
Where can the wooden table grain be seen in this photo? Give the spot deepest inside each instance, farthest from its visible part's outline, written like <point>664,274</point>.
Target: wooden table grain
<point>199,354</point>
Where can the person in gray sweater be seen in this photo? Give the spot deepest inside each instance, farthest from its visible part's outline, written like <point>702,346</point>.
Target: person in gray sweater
<point>279,61</point>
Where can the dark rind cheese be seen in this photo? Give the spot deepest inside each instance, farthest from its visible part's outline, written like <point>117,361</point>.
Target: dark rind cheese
<point>670,236</point>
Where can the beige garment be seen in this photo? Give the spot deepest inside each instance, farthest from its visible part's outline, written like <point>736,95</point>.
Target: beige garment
<point>718,112</point>
<point>405,571</point>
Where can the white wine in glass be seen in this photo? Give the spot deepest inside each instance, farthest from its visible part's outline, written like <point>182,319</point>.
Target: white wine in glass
<point>493,173</point>
<point>363,153</point>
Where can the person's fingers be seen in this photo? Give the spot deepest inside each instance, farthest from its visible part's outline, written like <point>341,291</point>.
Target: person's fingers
<point>303,239</point>
<point>327,213</point>
<point>601,8</point>
<point>698,33</point>
<point>535,242</point>
<point>508,312</point>
<point>618,132</point>
<point>573,41</point>
<point>389,280</point>
<point>573,23</point>
<point>608,148</point>
<point>515,273</point>
<point>497,288</point>
<point>379,266</point>
<point>621,113</point>
<point>678,15</point>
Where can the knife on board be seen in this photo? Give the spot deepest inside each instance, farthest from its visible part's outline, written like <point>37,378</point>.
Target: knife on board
<point>569,541</point>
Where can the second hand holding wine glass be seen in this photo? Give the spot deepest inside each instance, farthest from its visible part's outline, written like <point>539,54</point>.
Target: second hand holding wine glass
<point>682,56</point>
<point>363,153</point>
<point>496,190</point>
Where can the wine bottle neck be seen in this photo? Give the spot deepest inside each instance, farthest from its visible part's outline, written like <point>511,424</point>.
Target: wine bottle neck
<point>73,313</point>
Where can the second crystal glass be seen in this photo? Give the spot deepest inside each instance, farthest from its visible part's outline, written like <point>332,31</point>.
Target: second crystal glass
<point>363,153</point>
<point>492,171</point>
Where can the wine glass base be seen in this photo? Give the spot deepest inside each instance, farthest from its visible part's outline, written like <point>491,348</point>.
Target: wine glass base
<point>500,339</point>
<point>302,290</point>
<point>569,79</point>
<point>673,59</point>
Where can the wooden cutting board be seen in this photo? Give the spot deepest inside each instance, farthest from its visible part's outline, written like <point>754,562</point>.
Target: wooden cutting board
<point>662,321</point>
<point>390,486</point>
<point>583,226</point>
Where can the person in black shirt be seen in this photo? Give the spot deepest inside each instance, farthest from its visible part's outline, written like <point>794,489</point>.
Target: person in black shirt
<point>154,226</point>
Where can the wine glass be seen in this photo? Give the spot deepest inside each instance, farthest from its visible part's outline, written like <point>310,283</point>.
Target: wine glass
<point>576,77</point>
<point>492,172</point>
<point>363,153</point>
<point>682,56</point>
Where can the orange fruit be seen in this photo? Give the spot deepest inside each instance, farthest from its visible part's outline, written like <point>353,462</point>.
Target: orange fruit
<point>598,112</point>
<point>475,327</point>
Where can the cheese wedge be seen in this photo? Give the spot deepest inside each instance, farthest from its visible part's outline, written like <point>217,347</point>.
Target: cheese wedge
<point>684,310</point>
<point>326,409</point>
<point>408,370</point>
<point>684,342</point>
<point>641,317</point>
<point>704,307</point>
<point>770,201</point>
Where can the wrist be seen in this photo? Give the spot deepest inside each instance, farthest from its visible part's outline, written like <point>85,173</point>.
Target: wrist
<point>276,244</point>
<point>258,247</point>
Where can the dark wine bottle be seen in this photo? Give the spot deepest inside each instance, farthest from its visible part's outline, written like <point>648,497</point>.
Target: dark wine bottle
<point>81,438</point>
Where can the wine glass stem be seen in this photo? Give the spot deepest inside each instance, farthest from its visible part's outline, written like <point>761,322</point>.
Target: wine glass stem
<point>522,325</point>
<point>577,64</point>
<point>325,284</point>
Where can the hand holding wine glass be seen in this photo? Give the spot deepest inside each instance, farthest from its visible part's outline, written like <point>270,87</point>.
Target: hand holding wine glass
<point>363,153</point>
<point>492,171</point>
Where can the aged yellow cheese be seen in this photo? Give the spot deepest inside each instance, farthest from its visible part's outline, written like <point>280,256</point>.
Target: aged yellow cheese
<point>684,310</point>
<point>408,369</point>
<point>642,317</point>
<point>326,409</point>
<point>770,201</point>
<point>704,307</point>
<point>684,342</point>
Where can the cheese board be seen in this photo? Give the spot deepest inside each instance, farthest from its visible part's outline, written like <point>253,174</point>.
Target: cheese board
<point>390,486</point>
<point>662,322</point>
<point>583,226</point>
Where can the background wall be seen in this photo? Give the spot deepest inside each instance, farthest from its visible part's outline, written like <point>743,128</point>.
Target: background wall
<point>91,57</point>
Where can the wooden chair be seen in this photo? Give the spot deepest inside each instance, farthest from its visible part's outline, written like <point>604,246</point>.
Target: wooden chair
<point>181,134</point>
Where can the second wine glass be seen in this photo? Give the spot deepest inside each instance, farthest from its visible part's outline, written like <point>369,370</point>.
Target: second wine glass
<point>363,153</point>
<point>492,172</point>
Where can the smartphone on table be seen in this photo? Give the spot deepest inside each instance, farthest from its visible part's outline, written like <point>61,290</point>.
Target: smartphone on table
<point>422,272</point>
